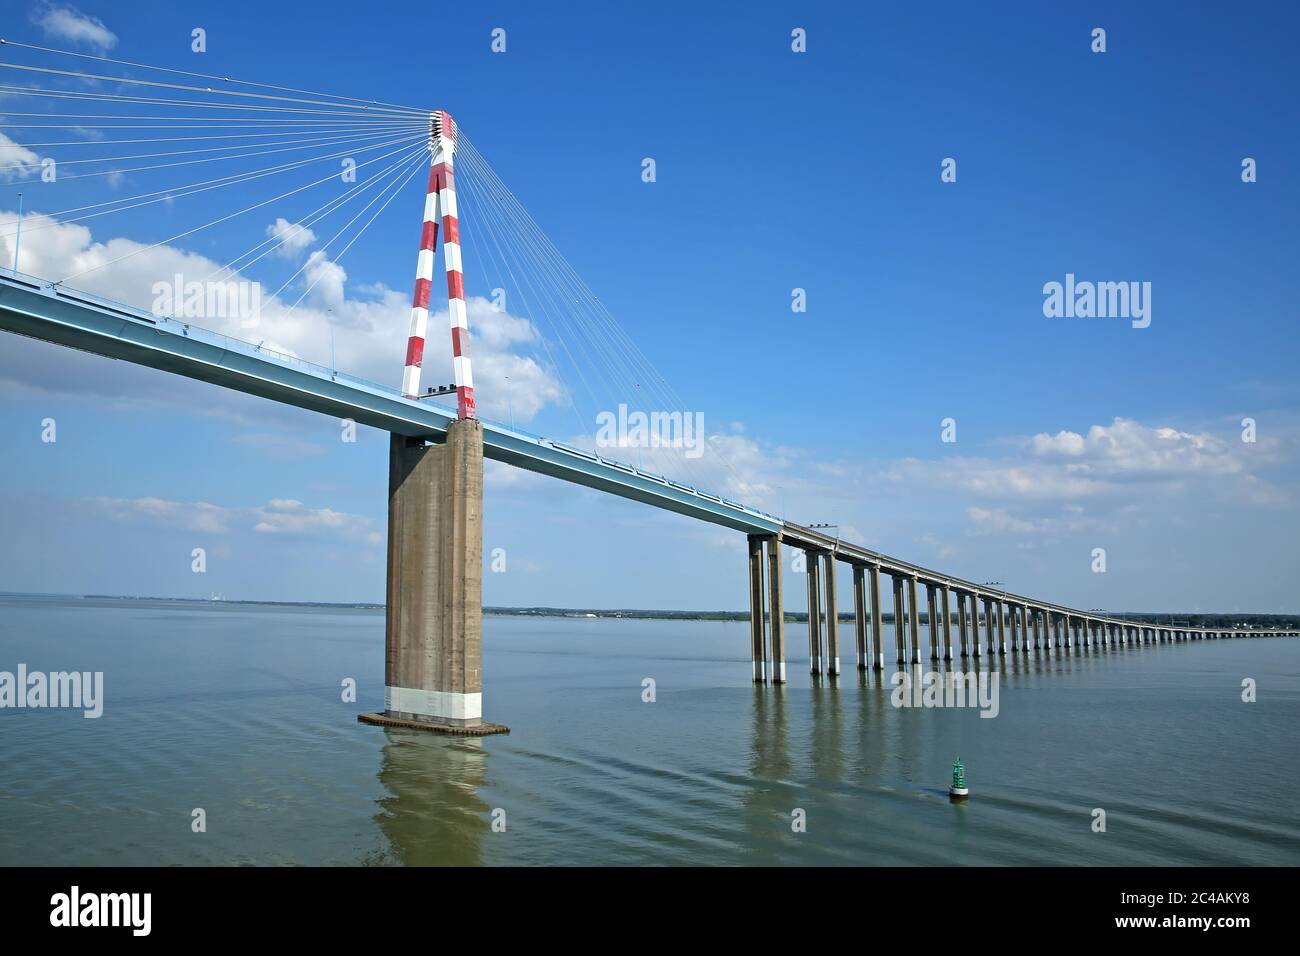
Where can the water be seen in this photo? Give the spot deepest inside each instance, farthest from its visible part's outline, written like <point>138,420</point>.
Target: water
<point>237,710</point>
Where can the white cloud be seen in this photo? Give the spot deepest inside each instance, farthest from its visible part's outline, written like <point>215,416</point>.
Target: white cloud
<point>1128,448</point>
<point>325,279</point>
<point>293,239</point>
<point>370,324</point>
<point>65,22</point>
<point>16,160</point>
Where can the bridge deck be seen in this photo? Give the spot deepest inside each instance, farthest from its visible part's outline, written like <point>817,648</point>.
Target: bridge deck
<point>34,308</point>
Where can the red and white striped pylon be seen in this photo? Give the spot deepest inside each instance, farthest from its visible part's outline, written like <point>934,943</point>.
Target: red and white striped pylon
<point>440,203</point>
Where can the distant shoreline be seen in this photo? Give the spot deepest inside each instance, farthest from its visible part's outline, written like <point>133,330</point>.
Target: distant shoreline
<point>646,614</point>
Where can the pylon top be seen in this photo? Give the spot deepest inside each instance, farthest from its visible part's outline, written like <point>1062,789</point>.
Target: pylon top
<point>441,125</point>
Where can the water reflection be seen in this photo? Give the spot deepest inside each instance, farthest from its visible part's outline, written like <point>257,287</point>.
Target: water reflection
<point>432,815</point>
<point>770,796</point>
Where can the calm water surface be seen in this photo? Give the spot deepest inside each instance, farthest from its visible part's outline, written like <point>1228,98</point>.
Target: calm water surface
<point>237,709</point>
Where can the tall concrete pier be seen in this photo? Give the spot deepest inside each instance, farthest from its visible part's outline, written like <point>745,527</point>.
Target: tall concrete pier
<point>433,672</point>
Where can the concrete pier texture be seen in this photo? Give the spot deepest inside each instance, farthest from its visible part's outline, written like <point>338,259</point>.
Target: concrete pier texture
<point>433,672</point>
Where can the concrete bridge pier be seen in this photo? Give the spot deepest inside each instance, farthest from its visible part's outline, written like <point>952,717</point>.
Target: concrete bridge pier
<point>990,628</point>
<point>832,616</point>
<point>433,675</point>
<point>961,624</point>
<point>877,619</point>
<point>860,614</point>
<point>1015,628</point>
<point>757,637</point>
<point>947,624</point>
<point>975,625</point>
<point>775,609</point>
<point>900,620</point>
<point>913,620</point>
<point>812,565</point>
<point>1002,626</point>
<point>932,619</point>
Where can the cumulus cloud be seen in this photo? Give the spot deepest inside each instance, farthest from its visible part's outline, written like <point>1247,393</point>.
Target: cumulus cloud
<point>369,323</point>
<point>1125,447</point>
<point>292,239</point>
<point>16,160</point>
<point>1119,470</point>
<point>325,279</point>
<point>61,21</point>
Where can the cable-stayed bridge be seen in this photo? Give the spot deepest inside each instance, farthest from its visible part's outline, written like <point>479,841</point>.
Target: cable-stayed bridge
<point>360,155</point>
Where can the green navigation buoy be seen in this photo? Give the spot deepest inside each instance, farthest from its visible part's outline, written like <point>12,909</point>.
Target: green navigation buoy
<point>958,790</point>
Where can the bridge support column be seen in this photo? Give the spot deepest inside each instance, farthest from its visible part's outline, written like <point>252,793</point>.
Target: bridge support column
<point>913,620</point>
<point>860,614</point>
<point>812,563</point>
<point>832,616</point>
<point>1015,630</point>
<point>947,623</point>
<point>975,625</point>
<point>961,624</point>
<point>932,620</point>
<point>434,665</point>
<point>1038,630</point>
<point>877,620</point>
<point>775,609</point>
<point>757,637</point>
<point>900,621</point>
<point>990,627</point>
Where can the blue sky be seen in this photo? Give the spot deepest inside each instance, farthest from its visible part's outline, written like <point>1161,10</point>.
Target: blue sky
<point>775,171</point>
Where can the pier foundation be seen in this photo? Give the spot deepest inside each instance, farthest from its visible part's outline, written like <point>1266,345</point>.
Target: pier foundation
<point>433,675</point>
